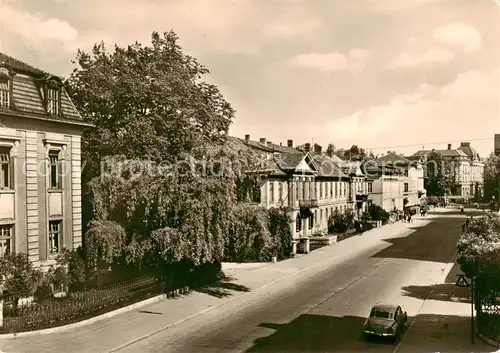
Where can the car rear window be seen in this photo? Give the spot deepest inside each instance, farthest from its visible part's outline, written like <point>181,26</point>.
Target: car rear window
<point>381,314</point>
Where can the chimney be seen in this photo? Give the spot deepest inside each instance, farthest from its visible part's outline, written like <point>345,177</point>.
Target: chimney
<point>247,138</point>
<point>263,140</point>
<point>317,149</point>
<point>307,147</point>
<point>449,146</point>
<point>290,143</point>
<point>269,144</point>
<point>388,152</point>
<point>281,143</point>
<point>330,153</point>
<point>465,144</point>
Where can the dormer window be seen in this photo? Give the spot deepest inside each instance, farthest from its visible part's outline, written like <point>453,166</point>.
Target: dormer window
<point>53,101</point>
<point>50,90</point>
<point>5,88</point>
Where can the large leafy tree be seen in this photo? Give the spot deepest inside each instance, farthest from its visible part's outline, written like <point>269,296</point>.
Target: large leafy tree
<point>158,161</point>
<point>145,102</point>
<point>479,246</point>
<point>491,177</point>
<point>439,175</point>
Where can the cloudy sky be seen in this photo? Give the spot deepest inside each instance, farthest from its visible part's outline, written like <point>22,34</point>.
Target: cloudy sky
<point>395,75</point>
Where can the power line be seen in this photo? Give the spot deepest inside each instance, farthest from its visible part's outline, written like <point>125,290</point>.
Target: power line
<point>429,143</point>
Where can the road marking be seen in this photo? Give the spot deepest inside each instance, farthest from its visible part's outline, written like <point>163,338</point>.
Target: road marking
<point>443,275</point>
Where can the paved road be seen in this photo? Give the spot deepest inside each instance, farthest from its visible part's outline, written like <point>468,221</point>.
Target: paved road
<point>325,311</point>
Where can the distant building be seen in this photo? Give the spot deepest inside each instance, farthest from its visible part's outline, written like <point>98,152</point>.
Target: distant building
<point>307,181</point>
<point>40,162</point>
<point>412,173</point>
<point>467,169</point>
<point>497,144</point>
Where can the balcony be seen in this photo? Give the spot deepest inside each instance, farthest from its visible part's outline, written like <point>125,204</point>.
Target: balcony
<point>308,203</point>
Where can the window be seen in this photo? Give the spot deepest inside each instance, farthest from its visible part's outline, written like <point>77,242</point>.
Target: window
<point>320,190</point>
<point>381,314</point>
<point>53,99</point>
<point>336,190</point>
<point>4,92</point>
<point>271,191</point>
<point>6,169</point>
<point>55,171</point>
<point>298,223</point>
<point>6,233</point>
<point>406,187</point>
<point>370,187</point>
<point>54,237</point>
<point>280,191</point>
<point>331,189</point>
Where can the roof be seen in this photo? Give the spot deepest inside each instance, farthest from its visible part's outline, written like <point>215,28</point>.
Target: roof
<point>27,102</point>
<point>466,148</point>
<point>20,66</point>
<point>392,158</point>
<point>385,307</point>
<point>443,153</point>
<point>326,166</point>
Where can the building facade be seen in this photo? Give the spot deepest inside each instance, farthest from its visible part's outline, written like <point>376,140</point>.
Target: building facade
<point>466,166</point>
<point>40,161</point>
<point>412,173</point>
<point>307,181</point>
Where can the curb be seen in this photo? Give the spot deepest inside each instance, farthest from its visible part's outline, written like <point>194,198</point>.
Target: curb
<point>488,340</point>
<point>441,278</point>
<point>94,319</point>
<point>157,299</point>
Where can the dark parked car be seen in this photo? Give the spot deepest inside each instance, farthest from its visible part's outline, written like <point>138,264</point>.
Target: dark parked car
<point>385,320</point>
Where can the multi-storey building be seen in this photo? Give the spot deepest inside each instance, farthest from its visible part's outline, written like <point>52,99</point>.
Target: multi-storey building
<point>40,179</point>
<point>385,185</point>
<point>308,182</point>
<point>466,167</point>
<point>412,173</point>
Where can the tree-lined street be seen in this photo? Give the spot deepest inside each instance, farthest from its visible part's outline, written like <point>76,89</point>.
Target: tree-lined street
<point>320,309</point>
<point>326,312</point>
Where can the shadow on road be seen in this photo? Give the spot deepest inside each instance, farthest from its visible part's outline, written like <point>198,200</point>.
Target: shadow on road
<point>447,291</point>
<point>315,333</point>
<point>222,288</point>
<point>430,242</point>
<point>319,333</point>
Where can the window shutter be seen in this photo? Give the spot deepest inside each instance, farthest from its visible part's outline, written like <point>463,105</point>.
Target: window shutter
<point>60,174</point>
<point>59,103</point>
<point>12,173</point>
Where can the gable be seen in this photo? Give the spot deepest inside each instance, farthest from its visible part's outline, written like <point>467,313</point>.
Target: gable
<point>306,165</point>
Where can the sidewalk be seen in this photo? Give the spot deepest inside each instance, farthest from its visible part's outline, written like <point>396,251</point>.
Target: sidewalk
<point>444,321</point>
<point>107,334</point>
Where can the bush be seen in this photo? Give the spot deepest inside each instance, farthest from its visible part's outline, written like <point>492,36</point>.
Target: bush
<point>367,226</point>
<point>432,200</point>
<point>377,213</point>
<point>341,222</point>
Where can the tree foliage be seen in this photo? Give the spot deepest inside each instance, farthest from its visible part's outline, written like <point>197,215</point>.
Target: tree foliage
<point>163,180</point>
<point>18,276</point>
<point>479,246</point>
<point>377,213</point>
<point>439,173</point>
<point>491,177</point>
<point>146,101</point>
<point>341,222</point>
<point>105,241</point>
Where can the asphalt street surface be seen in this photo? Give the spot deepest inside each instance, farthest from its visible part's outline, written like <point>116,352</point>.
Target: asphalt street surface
<point>324,311</point>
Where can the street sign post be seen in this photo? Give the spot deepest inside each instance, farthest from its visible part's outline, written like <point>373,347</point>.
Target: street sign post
<point>462,282</point>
